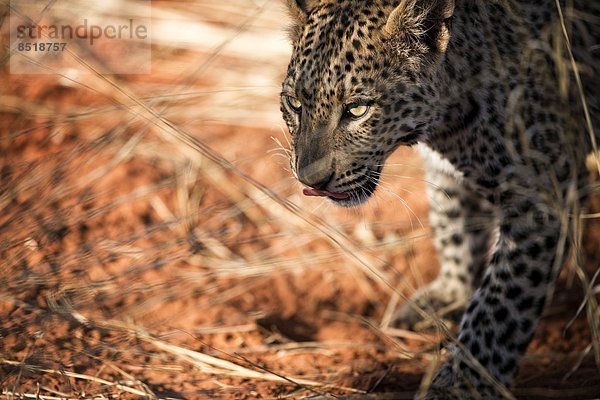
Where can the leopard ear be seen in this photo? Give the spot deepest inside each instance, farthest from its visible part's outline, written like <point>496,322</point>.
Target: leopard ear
<point>427,21</point>
<point>299,10</point>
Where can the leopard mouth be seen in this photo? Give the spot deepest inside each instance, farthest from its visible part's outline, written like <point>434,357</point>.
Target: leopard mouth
<point>324,193</point>
<point>354,196</point>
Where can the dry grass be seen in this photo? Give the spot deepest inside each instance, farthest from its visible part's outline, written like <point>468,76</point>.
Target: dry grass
<point>146,232</point>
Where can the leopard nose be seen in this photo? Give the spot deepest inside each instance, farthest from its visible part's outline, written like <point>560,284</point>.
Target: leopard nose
<point>319,182</point>
<point>315,173</point>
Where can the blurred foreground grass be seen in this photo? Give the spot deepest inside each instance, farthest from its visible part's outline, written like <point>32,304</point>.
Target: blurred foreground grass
<point>153,242</point>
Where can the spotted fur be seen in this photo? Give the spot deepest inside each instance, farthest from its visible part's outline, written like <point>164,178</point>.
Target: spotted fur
<point>487,91</point>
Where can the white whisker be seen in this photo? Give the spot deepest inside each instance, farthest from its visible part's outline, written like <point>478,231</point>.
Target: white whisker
<point>402,201</point>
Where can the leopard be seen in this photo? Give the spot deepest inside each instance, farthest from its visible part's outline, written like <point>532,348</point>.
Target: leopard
<point>502,99</point>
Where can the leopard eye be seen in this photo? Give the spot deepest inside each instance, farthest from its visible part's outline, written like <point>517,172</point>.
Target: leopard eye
<point>357,110</point>
<point>294,104</point>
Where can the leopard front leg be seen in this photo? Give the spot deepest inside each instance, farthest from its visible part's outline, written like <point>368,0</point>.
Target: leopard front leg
<point>462,224</point>
<point>503,313</point>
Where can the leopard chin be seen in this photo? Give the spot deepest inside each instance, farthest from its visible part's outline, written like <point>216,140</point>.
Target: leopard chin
<point>357,195</point>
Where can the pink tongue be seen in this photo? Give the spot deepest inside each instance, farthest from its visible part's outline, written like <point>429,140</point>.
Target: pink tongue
<point>324,193</point>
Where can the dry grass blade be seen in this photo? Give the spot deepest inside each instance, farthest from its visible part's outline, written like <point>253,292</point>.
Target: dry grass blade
<point>216,366</point>
<point>575,67</point>
<point>75,375</point>
<point>36,396</point>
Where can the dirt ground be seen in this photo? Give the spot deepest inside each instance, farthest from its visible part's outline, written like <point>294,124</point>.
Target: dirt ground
<point>142,260</point>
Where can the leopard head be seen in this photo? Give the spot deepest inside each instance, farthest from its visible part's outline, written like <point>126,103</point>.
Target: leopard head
<point>361,82</point>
